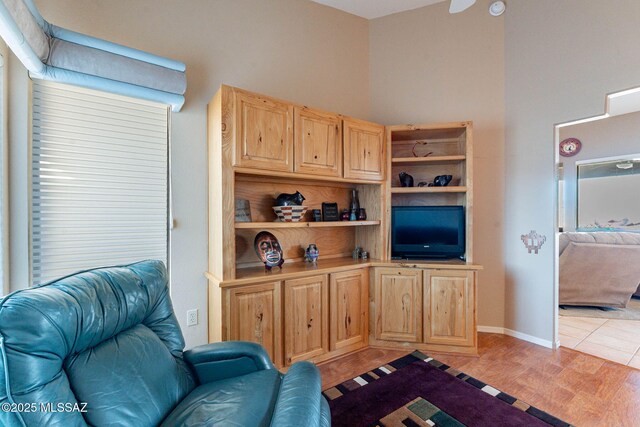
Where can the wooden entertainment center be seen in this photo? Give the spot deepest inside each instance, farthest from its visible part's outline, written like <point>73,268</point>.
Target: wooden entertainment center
<point>260,147</point>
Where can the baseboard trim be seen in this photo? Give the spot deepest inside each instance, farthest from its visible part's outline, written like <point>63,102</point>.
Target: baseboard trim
<point>516,334</point>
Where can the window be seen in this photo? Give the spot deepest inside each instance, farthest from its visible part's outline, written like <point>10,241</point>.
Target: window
<point>608,197</point>
<point>99,180</point>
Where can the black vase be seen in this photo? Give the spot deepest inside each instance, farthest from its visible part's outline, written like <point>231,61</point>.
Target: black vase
<point>406,180</point>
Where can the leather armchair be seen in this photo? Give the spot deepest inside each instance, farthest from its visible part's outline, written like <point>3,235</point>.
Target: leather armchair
<point>103,347</point>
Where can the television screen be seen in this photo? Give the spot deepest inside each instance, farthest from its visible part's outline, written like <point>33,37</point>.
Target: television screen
<point>422,232</point>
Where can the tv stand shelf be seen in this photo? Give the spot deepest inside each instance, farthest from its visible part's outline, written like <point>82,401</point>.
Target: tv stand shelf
<point>418,190</point>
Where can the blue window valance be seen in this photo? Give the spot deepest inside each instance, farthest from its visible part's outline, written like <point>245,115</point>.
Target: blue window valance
<point>53,53</point>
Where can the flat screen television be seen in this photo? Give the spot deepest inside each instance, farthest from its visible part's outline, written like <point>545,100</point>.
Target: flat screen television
<point>426,232</point>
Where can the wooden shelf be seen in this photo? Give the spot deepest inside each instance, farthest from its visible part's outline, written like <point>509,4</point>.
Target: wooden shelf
<point>428,160</point>
<point>302,177</point>
<point>294,270</point>
<point>280,224</point>
<point>419,190</point>
<point>291,270</point>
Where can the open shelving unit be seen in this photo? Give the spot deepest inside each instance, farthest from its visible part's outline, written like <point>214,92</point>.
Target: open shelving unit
<point>424,152</point>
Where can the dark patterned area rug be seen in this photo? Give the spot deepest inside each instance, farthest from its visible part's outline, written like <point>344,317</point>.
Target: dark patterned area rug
<point>417,390</point>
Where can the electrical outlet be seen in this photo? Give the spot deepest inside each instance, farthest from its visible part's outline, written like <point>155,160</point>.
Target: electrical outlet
<point>192,317</point>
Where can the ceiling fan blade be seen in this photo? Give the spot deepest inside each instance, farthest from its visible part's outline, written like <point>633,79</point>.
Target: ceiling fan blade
<point>460,5</point>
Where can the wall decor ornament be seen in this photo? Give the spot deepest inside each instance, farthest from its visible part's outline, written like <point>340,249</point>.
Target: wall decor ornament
<point>570,147</point>
<point>268,250</point>
<point>533,241</point>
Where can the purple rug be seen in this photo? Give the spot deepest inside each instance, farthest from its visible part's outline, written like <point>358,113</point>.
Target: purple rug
<point>417,390</point>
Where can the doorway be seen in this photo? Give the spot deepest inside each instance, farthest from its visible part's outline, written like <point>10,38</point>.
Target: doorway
<point>598,235</point>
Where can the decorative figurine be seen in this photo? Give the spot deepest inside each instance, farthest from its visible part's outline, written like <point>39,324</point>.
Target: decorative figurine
<point>406,180</point>
<point>312,253</point>
<point>364,255</point>
<point>286,199</point>
<point>317,215</point>
<point>243,210</point>
<point>344,216</point>
<point>362,214</point>
<point>356,252</point>
<point>442,180</point>
<point>268,249</point>
<point>355,206</point>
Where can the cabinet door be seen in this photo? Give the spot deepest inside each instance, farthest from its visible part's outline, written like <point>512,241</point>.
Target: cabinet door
<point>348,293</point>
<point>306,318</point>
<point>317,142</point>
<point>264,132</point>
<point>255,315</point>
<point>398,304</point>
<point>449,301</point>
<point>364,150</point>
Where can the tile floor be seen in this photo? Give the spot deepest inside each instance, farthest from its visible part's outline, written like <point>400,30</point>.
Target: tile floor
<point>612,339</point>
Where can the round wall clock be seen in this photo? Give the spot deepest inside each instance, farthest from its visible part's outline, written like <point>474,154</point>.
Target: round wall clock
<point>570,147</point>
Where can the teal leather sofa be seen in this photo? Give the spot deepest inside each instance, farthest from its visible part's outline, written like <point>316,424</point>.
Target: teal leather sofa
<point>104,348</point>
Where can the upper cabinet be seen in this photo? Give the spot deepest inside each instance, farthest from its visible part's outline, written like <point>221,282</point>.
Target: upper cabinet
<point>264,132</point>
<point>318,142</point>
<point>364,150</point>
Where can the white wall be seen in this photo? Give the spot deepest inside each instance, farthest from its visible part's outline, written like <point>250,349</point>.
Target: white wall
<point>543,62</point>
<point>291,49</point>
<point>428,66</point>
<point>561,58</point>
<point>614,136</point>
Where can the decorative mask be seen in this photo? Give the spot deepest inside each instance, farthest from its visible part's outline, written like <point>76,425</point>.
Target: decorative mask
<point>268,249</point>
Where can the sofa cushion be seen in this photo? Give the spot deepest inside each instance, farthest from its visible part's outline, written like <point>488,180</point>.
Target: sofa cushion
<point>596,274</point>
<point>604,237</point>
<point>247,400</point>
<point>122,375</point>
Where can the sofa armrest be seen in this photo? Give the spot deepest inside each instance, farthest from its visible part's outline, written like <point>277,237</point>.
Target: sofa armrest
<point>300,402</point>
<point>217,361</point>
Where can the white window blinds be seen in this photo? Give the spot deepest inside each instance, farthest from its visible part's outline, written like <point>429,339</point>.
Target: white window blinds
<point>99,180</point>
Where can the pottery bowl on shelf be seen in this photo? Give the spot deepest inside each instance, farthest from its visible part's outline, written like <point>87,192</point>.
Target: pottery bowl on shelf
<point>289,213</point>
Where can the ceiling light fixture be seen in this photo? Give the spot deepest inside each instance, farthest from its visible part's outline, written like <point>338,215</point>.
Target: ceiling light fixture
<point>459,5</point>
<point>497,8</point>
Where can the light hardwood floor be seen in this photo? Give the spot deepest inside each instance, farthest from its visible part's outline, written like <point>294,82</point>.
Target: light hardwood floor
<point>612,339</point>
<point>576,387</point>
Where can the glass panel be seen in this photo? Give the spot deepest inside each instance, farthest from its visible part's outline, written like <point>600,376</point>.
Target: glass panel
<point>608,196</point>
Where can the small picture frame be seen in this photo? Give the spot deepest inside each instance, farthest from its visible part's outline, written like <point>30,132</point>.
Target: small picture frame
<point>330,212</point>
<point>243,210</point>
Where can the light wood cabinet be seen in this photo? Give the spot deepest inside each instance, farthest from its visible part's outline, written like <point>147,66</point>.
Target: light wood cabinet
<point>306,318</point>
<point>364,150</point>
<point>348,293</point>
<point>449,304</point>
<point>398,304</point>
<point>317,142</point>
<point>264,132</point>
<point>255,315</point>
